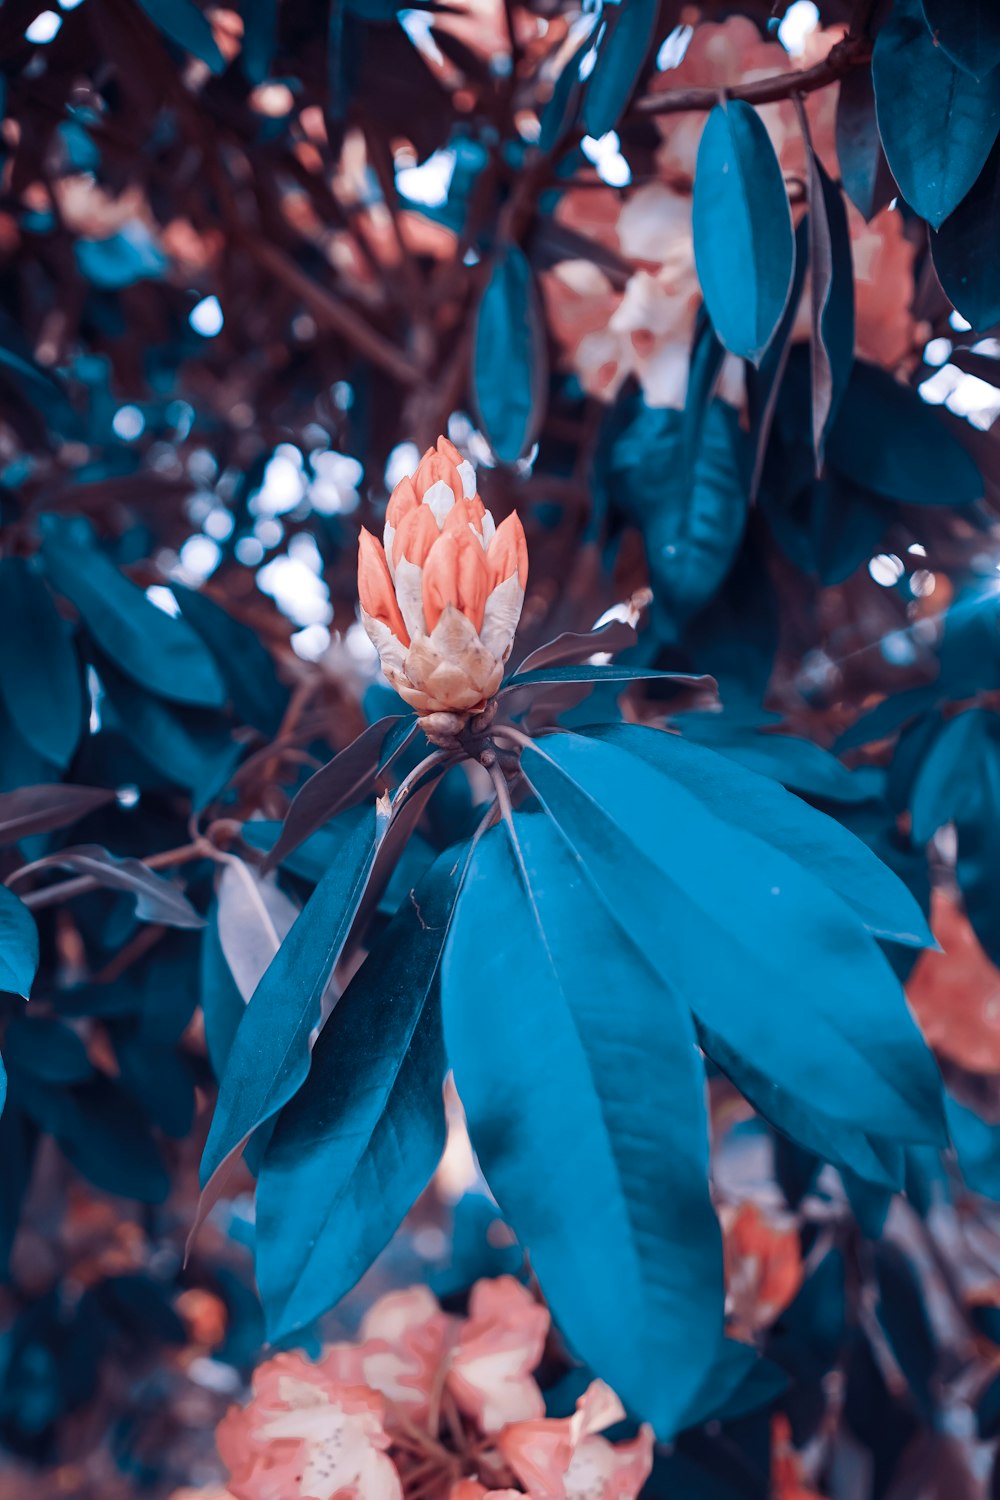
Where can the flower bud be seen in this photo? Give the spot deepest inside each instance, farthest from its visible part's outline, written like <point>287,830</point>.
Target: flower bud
<point>441,595</point>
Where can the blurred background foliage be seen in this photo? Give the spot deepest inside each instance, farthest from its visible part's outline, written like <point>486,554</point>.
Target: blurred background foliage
<point>251,263</point>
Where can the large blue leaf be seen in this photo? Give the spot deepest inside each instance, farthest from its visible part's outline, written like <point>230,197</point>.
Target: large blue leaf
<point>759,806</point>
<point>937,122</point>
<point>765,955</point>
<point>968,30</point>
<point>585,1096</point>
<point>743,242</point>
<point>269,1057</point>
<point>359,1141</point>
<point>963,253</point>
<point>622,50</point>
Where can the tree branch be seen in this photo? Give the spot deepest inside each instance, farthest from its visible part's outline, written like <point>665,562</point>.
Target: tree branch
<point>853,52</point>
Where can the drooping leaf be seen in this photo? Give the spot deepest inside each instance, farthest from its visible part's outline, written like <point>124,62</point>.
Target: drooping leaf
<point>572,648</point>
<point>864,170</point>
<point>40,680</point>
<point>184,23</point>
<point>358,1143</point>
<point>962,249</point>
<point>157,899</point>
<point>937,121</point>
<point>269,1057</point>
<point>902,1313</point>
<point>18,945</point>
<point>799,764</point>
<point>253,917</point>
<point>889,440</point>
<point>760,807</point>
<point>831,344</point>
<point>338,784</point>
<point>561,111</point>
<point>587,1062</point>
<point>246,665</point>
<point>622,50</point>
<point>968,30</point>
<point>39,809</point>
<point>508,356</point>
<point>754,938</point>
<point>743,241</point>
<point>161,654</point>
<point>103,1133</point>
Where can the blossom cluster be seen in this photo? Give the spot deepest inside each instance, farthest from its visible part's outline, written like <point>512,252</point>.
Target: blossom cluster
<point>427,1405</point>
<point>645,327</point>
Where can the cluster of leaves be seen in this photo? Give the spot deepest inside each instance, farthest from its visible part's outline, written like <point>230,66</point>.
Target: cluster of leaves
<point>607,925</point>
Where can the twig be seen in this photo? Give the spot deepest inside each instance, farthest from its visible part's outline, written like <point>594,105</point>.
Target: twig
<point>65,890</point>
<point>853,52</point>
<point>335,315</point>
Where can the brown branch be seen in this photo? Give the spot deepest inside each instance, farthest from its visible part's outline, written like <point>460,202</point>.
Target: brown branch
<point>334,315</point>
<point>853,52</point>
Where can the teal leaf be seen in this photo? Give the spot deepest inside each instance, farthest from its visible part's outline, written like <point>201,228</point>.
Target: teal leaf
<point>157,899</point>
<point>47,1049</point>
<point>269,1057</point>
<point>121,259</point>
<point>743,241</point>
<point>947,784</point>
<point>938,123</point>
<point>765,954</point>
<point>598,675</point>
<point>18,945</point>
<point>161,654</point>
<point>260,34</point>
<point>39,809</point>
<point>799,764</point>
<point>508,356</point>
<point>349,775</point>
<point>40,680</point>
<point>831,344</point>
<point>968,30</point>
<point>582,1060</point>
<point>624,45</point>
<point>183,23</point>
<point>887,439</point>
<point>759,806</point>
<point>963,249</point>
<point>864,170</point>
<point>246,665</point>
<point>359,1142</point>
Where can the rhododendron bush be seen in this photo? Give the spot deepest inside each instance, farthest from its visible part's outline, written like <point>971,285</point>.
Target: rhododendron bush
<point>500,750</point>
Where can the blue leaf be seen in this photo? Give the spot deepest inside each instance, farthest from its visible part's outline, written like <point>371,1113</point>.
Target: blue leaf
<point>359,1142</point>
<point>962,249</point>
<point>508,356</point>
<point>161,654</point>
<point>121,259</point>
<point>763,953</point>
<point>968,30</point>
<point>40,681</point>
<point>269,1057</point>
<point>938,123</point>
<point>585,1062</point>
<point>888,440</point>
<point>947,784</point>
<point>18,945</point>
<point>183,23</point>
<point>630,26</point>
<point>757,805</point>
<point>743,241</point>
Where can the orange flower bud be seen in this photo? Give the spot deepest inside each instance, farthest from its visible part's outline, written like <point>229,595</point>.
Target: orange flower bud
<point>455,573</point>
<point>434,469</point>
<point>508,553</point>
<point>375,589</point>
<point>447,450</point>
<point>415,536</point>
<point>402,500</point>
<point>466,514</point>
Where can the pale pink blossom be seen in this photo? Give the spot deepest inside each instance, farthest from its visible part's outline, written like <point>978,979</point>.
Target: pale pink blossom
<point>305,1436</point>
<point>566,1459</point>
<point>499,1345</point>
